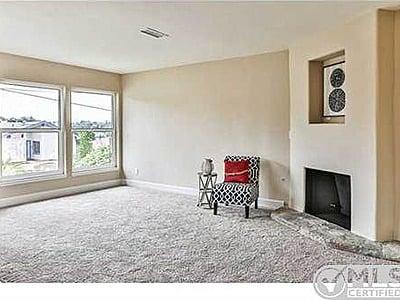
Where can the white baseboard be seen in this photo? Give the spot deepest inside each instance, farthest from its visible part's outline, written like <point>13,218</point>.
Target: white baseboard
<point>162,187</point>
<point>262,202</point>
<point>270,203</point>
<point>16,200</point>
<point>296,208</point>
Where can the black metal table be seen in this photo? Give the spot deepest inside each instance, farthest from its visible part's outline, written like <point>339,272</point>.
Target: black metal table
<point>206,184</point>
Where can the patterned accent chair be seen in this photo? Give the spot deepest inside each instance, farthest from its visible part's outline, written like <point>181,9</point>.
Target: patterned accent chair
<point>241,194</point>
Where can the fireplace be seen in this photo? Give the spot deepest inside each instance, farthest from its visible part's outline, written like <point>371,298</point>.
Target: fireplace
<point>328,196</point>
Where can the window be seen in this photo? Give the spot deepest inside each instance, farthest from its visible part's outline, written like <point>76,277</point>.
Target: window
<point>93,130</point>
<point>36,148</point>
<point>30,130</point>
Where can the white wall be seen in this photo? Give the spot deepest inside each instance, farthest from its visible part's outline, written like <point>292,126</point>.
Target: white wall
<point>48,145</point>
<point>13,147</point>
<point>173,118</point>
<point>348,148</point>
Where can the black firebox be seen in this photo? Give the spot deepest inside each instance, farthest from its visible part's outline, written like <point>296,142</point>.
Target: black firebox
<point>328,196</point>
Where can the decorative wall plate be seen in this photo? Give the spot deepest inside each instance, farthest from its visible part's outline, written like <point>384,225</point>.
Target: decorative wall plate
<point>334,90</point>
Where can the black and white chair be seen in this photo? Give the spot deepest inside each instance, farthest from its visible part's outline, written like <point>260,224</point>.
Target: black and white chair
<point>240,194</point>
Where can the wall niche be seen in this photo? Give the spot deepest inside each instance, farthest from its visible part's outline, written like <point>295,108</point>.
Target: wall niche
<point>327,89</point>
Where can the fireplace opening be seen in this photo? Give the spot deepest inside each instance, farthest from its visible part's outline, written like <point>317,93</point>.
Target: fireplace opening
<point>328,196</point>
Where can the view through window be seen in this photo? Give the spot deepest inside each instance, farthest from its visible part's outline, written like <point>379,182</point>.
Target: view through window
<point>93,130</point>
<point>30,130</point>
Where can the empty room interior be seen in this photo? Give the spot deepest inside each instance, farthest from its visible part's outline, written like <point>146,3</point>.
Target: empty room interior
<point>197,142</point>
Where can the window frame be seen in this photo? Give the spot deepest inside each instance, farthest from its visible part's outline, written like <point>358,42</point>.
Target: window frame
<point>45,175</point>
<point>114,130</point>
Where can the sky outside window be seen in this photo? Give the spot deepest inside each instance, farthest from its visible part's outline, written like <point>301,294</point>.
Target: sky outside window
<point>91,107</point>
<point>40,104</point>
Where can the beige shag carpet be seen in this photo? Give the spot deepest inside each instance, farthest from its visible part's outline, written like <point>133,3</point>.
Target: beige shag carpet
<point>126,234</point>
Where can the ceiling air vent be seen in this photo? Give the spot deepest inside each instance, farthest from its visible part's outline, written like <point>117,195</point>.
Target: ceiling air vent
<point>154,33</point>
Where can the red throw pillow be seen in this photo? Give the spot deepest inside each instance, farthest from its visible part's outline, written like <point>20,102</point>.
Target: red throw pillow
<point>237,171</point>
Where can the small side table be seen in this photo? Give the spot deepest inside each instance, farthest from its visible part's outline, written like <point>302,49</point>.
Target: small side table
<point>206,184</point>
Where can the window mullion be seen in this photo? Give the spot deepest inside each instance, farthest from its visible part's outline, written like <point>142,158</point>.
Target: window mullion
<point>68,138</point>
<point>22,130</point>
<point>92,129</point>
<point>1,154</point>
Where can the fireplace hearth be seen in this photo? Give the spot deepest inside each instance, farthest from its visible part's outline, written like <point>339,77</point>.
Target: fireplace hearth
<point>328,196</point>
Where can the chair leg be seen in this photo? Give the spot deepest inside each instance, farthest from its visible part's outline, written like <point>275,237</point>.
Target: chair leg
<point>246,211</point>
<point>215,207</point>
<point>256,204</point>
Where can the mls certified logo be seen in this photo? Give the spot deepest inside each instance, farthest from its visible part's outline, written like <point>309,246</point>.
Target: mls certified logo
<point>358,281</point>
<point>329,281</point>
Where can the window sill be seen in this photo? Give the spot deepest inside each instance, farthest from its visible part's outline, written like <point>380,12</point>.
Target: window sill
<point>54,176</point>
<point>31,179</point>
<point>85,172</point>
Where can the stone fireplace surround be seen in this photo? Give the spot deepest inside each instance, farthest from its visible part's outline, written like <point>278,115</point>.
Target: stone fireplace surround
<point>335,236</point>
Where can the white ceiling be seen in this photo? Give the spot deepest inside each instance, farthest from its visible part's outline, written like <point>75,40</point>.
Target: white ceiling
<point>105,35</point>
